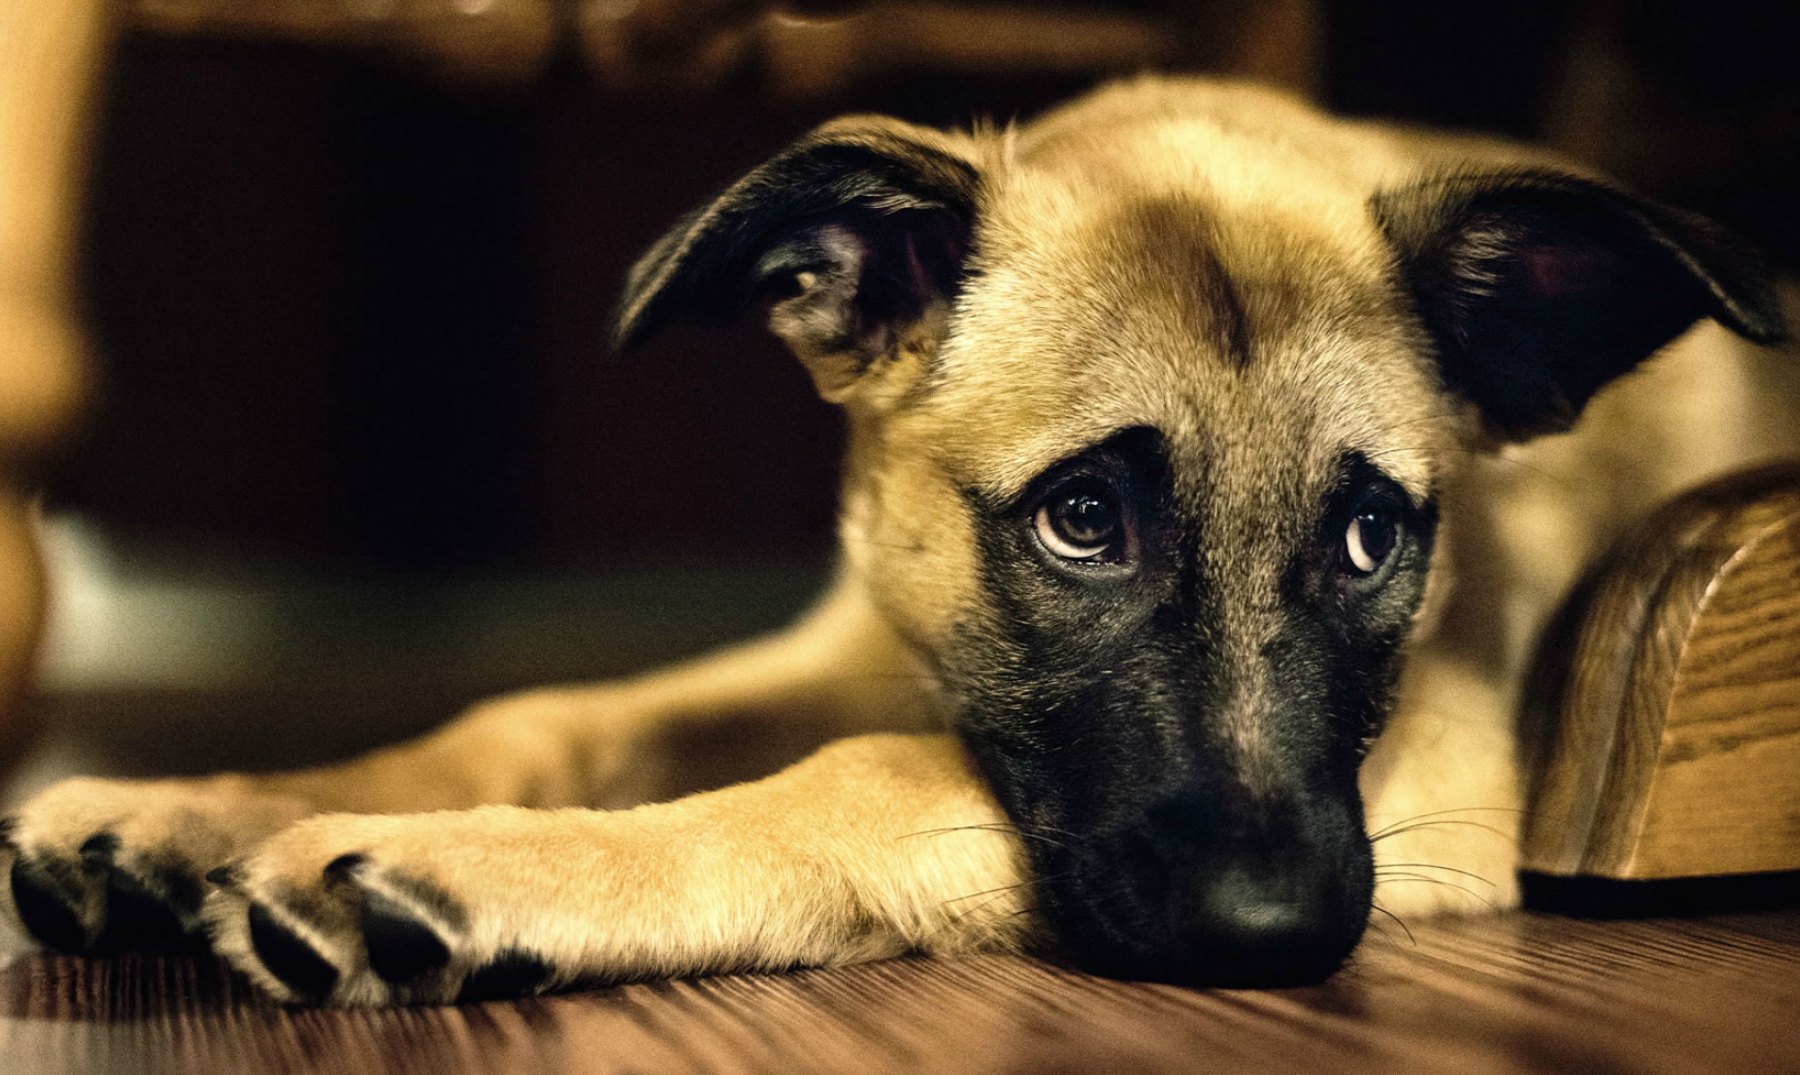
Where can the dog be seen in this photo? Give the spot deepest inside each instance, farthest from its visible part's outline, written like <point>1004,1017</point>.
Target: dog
<point>1207,483</point>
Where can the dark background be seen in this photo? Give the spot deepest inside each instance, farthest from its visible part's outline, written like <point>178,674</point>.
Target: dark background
<point>350,310</point>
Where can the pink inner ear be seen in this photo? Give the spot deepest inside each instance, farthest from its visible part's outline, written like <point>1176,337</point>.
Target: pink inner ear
<point>846,249</point>
<point>1560,271</point>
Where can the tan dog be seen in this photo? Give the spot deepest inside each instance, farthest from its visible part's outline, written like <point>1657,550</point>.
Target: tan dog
<point>1168,490</point>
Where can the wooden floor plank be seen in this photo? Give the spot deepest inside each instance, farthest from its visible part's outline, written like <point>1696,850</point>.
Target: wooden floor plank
<point>1510,993</point>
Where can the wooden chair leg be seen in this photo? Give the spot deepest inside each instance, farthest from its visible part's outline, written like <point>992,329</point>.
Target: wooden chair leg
<point>1664,715</point>
<point>50,53</point>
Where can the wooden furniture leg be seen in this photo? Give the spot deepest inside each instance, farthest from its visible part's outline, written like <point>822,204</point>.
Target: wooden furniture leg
<point>50,51</point>
<point>1665,712</point>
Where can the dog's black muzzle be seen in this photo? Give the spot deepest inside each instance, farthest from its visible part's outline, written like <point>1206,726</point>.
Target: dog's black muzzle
<point>1193,890</point>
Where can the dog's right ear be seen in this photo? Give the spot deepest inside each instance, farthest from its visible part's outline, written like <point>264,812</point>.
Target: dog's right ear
<point>855,235</point>
<point>1540,288</point>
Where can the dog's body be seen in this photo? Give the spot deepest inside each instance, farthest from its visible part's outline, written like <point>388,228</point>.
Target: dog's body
<point>1176,474</point>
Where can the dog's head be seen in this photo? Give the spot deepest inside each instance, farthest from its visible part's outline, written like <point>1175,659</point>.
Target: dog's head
<point>1149,422</point>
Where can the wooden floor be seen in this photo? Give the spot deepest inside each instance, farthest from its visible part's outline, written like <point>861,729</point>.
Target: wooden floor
<point>1522,992</point>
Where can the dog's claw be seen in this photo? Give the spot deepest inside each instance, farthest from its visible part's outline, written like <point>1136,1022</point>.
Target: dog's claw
<point>358,930</point>
<point>343,869</point>
<point>512,974</point>
<point>45,908</point>
<point>97,851</point>
<point>137,919</point>
<point>400,946</point>
<point>92,902</point>
<point>289,958</point>
<point>108,866</point>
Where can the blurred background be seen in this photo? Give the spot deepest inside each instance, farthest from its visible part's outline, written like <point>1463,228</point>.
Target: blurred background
<point>351,450</point>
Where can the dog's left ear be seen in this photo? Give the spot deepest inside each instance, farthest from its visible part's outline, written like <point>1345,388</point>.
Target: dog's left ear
<point>1539,288</point>
<point>854,236</point>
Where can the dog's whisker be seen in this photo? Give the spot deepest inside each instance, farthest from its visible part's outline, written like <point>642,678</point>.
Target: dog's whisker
<point>1044,833</point>
<point>1407,876</point>
<point>996,826</point>
<point>1053,829</point>
<point>1454,810</point>
<point>1458,810</point>
<point>1417,825</point>
<point>993,896</point>
<point>1464,889</point>
<point>970,912</point>
<point>946,830</point>
<point>1002,889</point>
<point>1435,866</point>
<point>1397,922</point>
<point>1468,809</point>
<point>1381,875</point>
<point>892,546</point>
<point>1382,932</point>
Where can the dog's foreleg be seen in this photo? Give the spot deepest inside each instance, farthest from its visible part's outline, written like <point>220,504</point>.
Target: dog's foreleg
<point>118,863</point>
<point>873,846</point>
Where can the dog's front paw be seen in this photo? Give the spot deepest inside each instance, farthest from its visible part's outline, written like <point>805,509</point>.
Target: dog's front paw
<point>356,910</point>
<point>102,866</point>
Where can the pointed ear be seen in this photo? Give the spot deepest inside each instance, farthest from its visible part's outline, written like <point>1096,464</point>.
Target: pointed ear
<point>854,235</point>
<point>1539,288</point>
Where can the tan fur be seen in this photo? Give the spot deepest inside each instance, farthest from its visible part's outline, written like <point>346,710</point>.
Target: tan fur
<point>846,857</point>
<point>884,843</point>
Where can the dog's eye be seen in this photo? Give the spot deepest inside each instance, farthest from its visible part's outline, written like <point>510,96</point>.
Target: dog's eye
<point>1369,540</point>
<point>1083,523</point>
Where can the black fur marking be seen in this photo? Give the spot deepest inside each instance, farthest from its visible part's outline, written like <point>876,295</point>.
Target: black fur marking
<point>288,957</point>
<point>8,826</point>
<point>1539,289</point>
<point>137,919</point>
<point>1095,702</point>
<point>513,973</point>
<point>1172,245</point>
<point>44,909</point>
<point>1371,618</point>
<point>225,876</point>
<point>400,946</point>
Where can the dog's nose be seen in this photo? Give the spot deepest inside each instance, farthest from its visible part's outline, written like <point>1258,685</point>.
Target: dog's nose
<point>1251,927</point>
<point>1189,905</point>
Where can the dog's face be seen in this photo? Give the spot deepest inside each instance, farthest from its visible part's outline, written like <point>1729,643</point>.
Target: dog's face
<point>1146,456</point>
